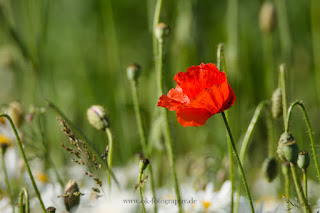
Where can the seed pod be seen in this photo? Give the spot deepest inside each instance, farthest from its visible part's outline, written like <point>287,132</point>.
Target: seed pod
<point>270,169</point>
<point>267,17</point>
<point>288,148</point>
<point>303,160</point>
<point>98,118</point>
<point>143,163</point>
<point>72,196</point>
<point>276,103</point>
<point>133,72</point>
<point>162,30</point>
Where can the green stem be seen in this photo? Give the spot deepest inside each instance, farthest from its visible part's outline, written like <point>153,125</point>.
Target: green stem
<point>86,141</point>
<point>250,129</point>
<point>270,135</point>
<point>109,134</point>
<point>239,162</point>
<point>25,161</point>
<point>141,193</point>
<point>313,146</point>
<point>297,184</point>
<point>284,95</point>
<point>286,172</point>
<point>220,64</point>
<point>6,179</point>
<point>156,19</point>
<point>305,183</point>
<point>143,140</point>
<point>246,140</point>
<point>167,132</point>
<point>24,201</point>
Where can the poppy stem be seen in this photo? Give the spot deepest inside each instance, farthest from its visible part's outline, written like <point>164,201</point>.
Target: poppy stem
<point>109,134</point>
<point>167,132</point>
<point>3,151</point>
<point>221,65</point>
<point>239,162</point>
<point>314,152</point>
<point>284,95</point>
<point>141,192</point>
<point>299,190</point>
<point>305,183</point>
<point>25,160</point>
<point>286,172</point>
<point>246,139</point>
<point>143,137</point>
<point>24,201</point>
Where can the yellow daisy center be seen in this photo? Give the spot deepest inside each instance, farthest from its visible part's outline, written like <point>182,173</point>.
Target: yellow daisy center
<point>42,177</point>
<point>206,204</point>
<point>4,141</point>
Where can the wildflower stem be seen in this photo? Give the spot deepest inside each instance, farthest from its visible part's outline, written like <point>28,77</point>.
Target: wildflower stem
<point>284,95</point>
<point>156,19</point>
<point>140,192</point>
<point>25,160</point>
<point>24,201</point>
<point>286,172</point>
<point>86,141</point>
<point>6,179</point>
<point>305,183</point>
<point>239,162</point>
<point>109,134</point>
<point>167,132</point>
<point>314,152</point>
<point>297,184</point>
<point>220,64</point>
<point>143,137</point>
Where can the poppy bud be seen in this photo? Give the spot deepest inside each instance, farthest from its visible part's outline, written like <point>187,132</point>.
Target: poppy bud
<point>268,17</point>
<point>144,162</point>
<point>98,118</point>
<point>270,169</point>
<point>133,72</point>
<point>303,160</point>
<point>162,30</point>
<point>276,103</point>
<point>51,209</point>
<point>287,148</point>
<point>72,195</point>
<point>285,167</point>
<point>16,113</point>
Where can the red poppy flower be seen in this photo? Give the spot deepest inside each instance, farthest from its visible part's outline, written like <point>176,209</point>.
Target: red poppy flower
<point>201,92</point>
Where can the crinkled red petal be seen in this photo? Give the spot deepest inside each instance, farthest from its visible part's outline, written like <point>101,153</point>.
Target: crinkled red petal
<point>192,116</point>
<point>215,99</point>
<point>197,78</point>
<point>174,99</point>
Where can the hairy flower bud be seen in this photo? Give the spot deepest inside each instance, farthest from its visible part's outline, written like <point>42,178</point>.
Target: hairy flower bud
<point>16,112</point>
<point>133,72</point>
<point>270,169</point>
<point>268,17</point>
<point>287,148</point>
<point>98,118</point>
<point>72,195</point>
<point>144,162</point>
<point>276,103</point>
<point>162,30</point>
<point>303,160</point>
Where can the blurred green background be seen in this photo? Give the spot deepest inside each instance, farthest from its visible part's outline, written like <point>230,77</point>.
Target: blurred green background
<point>75,53</point>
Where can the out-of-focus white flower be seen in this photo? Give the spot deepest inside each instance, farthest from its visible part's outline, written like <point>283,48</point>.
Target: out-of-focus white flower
<point>5,206</point>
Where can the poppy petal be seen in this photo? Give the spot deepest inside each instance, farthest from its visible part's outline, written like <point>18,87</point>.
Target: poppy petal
<point>198,78</point>
<point>215,99</point>
<point>174,99</point>
<point>192,116</point>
